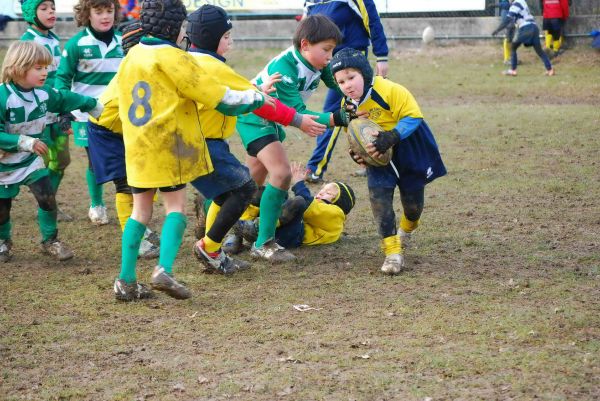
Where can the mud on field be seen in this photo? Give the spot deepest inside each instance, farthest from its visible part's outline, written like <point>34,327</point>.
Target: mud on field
<point>500,300</point>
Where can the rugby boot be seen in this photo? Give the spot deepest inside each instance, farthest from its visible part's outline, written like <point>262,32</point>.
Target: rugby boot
<point>148,250</point>
<point>272,252</point>
<point>57,249</point>
<point>162,281</point>
<point>218,262</point>
<point>5,247</point>
<point>98,215</point>
<point>393,264</point>
<point>131,292</point>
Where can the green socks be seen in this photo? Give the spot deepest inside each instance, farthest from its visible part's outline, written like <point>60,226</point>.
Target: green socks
<point>94,189</point>
<point>55,179</point>
<point>5,230</point>
<point>130,246</point>
<point>47,223</point>
<point>270,208</point>
<point>170,239</point>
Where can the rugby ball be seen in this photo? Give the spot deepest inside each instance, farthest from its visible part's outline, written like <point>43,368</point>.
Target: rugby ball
<point>428,35</point>
<point>360,133</point>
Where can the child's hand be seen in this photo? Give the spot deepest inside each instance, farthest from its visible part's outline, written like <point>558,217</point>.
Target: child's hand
<point>310,126</point>
<point>39,148</point>
<point>269,101</point>
<point>356,158</point>
<point>267,86</point>
<point>383,141</point>
<point>298,172</point>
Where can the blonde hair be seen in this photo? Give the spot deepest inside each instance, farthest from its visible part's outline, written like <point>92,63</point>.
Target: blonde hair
<point>22,56</point>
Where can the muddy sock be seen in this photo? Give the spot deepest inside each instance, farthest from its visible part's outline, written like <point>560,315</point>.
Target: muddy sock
<point>47,223</point>
<point>270,209</point>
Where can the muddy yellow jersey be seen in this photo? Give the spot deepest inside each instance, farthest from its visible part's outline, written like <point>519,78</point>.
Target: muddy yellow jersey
<point>109,118</point>
<point>323,223</point>
<point>158,88</point>
<point>214,124</point>
<point>388,102</point>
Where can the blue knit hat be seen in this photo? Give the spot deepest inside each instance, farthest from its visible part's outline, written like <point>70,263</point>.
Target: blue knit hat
<point>352,58</point>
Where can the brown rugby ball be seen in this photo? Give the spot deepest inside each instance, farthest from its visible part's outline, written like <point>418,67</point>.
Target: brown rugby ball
<point>360,132</point>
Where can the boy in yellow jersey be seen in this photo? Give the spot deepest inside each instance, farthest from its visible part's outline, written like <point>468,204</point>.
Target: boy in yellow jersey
<point>305,219</point>
<point>230,186</point>
<point>107,151</point>
<point>416,160</point>
<point>159,87</point>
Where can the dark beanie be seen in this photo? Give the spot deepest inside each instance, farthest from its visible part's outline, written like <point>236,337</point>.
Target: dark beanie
<point>345,199</point>
<point>352,58</point>
<point>206,26</point>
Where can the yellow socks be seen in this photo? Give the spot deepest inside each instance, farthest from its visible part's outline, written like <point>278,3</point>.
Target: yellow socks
<point>211,215</point>
<point>211,246</point>
<point>391,245</point>
<point>250,213</point>
<point>124,206</point>
<point>408,226</point>
<point>506,49</point>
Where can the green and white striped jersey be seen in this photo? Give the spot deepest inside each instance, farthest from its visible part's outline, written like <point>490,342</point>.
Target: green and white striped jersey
<point>50,42</point>
<point>23,115</point>
<point>87,65</point>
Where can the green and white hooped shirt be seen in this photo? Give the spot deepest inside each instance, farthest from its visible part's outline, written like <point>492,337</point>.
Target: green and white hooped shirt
<point>24,115</point>
<point>87,65</point>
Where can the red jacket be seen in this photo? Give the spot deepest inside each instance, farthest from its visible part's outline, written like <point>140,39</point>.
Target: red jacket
<point>556,9</point>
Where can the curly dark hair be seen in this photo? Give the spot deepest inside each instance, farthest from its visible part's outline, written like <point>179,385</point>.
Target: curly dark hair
<point>82,10</point>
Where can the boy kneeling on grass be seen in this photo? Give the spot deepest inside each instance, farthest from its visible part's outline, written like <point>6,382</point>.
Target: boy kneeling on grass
<point>24,106</point>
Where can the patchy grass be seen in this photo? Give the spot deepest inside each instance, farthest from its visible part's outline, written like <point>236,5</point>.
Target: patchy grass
<point>501,299</point>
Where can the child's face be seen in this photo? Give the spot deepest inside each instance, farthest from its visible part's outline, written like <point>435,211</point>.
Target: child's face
<point>102,19</point>
<point>317,54</point>
<point>225,44</point>
<point>351,83</point>
<point>328,192</point>
<point>34,77</point>
<point>46,13</point>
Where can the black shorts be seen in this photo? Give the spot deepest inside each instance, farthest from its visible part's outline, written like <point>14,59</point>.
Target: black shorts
<point>259,144</point>
<point>173,188</point>
<point>554,26</point>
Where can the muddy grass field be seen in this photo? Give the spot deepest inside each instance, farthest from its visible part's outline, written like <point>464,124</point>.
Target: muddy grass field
<point>501,300</point>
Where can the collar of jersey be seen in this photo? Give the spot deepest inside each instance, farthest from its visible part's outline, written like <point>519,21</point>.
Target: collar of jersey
<point>19,92</point>
<point>303,60</point>
<point>203,51</point>
<point>152,41</point>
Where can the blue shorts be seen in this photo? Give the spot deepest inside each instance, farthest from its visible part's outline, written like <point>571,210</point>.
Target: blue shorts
<point>528,35</point>
<point>229,173</point>
<point>415,163</point>
<point>107,153</point>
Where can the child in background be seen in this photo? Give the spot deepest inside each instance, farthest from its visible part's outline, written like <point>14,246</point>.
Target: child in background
<point>89,61</point>
<point>230,186</point>
<point>416,160</point>
<point>304,220</point>
<point>107,151</point>
<point>25,103</point>
<point>302,66</point>
<point>528,34</point>
<point>159,86</point>
<point>40,14</point>
<point>556,13</point>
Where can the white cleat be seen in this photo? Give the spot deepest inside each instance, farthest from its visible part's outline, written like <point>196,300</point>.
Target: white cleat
<point>98,215</point>
<point>393,264</point>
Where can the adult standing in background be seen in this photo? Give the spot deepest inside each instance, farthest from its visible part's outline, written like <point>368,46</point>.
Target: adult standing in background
<point>555,14</point>
<point>359,22</point>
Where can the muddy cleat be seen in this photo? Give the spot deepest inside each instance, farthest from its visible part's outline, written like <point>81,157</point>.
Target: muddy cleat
<point>131,292</point>
<point>57,249</point>
<point>162,281</point>
<point>247,229</point>
<point>200,227</point>
<point>62,216</point>
<point>405,239</point>
<point>510,73</point>
<point>5,247</point>
<point>393,264</point>
<point>218,262</point>
<point>271,251</point>
<point>98,215</point>
<point>233,244</point>
<point>550,72</point>
<point>152,237</point>
<point>148,250</point>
